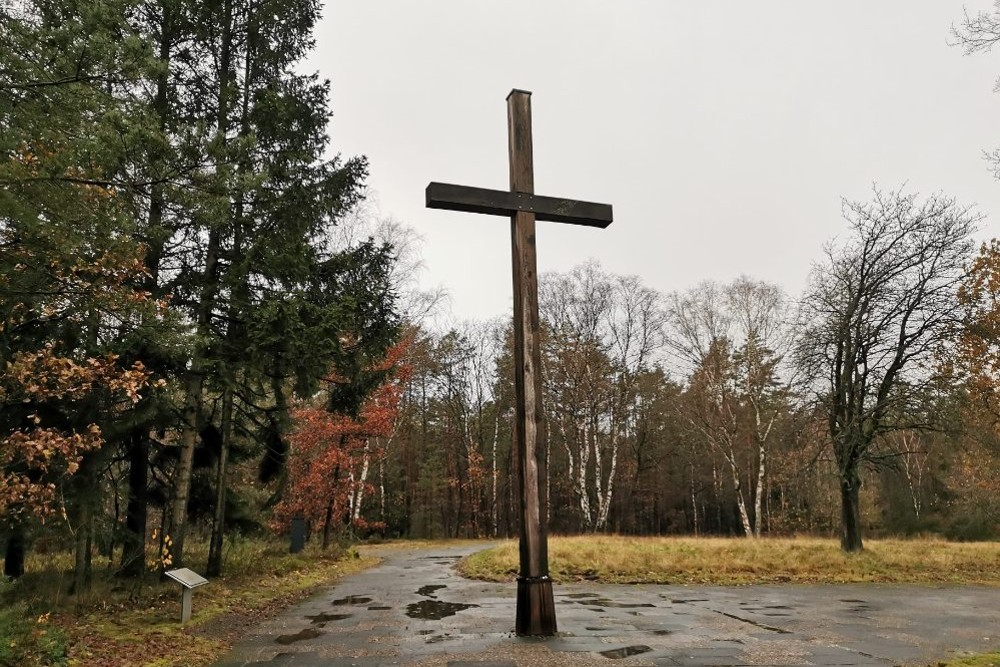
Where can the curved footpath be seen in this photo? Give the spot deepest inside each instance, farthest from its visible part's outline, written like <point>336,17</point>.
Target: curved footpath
<point>415,609</point>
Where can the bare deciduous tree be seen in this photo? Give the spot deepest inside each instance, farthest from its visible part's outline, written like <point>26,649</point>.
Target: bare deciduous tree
<point>734,339</point>
<point>603,332</point>
<point>876,311</point>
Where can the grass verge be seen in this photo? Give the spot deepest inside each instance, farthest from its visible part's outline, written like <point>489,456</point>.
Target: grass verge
<point>981,660</point>
<point>128,624</point>
<point>648,560</point>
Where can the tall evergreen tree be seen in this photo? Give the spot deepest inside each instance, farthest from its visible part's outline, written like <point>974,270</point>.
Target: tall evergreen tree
<point>243,239</point>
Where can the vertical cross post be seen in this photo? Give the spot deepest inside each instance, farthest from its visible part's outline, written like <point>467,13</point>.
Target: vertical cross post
<point>535,604</point>
<point>536,612</point>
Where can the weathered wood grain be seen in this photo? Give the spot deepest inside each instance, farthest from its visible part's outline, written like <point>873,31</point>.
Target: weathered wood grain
<point>450,197</point>
<point>536,613</point>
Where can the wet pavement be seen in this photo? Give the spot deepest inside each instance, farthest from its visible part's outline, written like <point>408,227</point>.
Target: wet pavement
<point>414,609</point>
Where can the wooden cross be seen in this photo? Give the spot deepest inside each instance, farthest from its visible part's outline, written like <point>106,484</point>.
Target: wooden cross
<point>536,614</point>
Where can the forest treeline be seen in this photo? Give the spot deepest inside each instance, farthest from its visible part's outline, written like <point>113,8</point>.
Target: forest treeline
<point>202,332</point>
<point>709,411</point>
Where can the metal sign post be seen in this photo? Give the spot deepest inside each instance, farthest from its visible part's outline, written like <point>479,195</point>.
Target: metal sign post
<point>189,580</point>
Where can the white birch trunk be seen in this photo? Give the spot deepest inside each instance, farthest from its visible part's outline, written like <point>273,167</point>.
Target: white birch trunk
<point>581,479</point>
<point>605,498</point>
<point>694,500</point>
<point>741,502</point>
<point>598,476</point>
<point>759,491</point>
<point>359,487</point>
<point>494,507</point>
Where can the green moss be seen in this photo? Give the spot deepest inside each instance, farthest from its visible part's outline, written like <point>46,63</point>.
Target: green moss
<point>982,660</point>
<point>27,642</point>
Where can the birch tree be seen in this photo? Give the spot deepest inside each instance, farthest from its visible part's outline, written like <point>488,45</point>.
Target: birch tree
<point>602,333</point>
<point>734,339</point>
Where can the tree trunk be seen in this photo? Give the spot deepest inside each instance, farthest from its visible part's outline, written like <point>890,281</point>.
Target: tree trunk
<point>137,509</point>
<point>13,564</point>
<point>606,493</point>
<point>214,567</point>
<point>381,489</point>
<point>741,503</point>
<point>185,466</point>
<point>81,569</point>
<point>581,479</point>
<point>358,492</point>
<point>694,501</point>
<point>758,514</point>
<point>326,525</point>
<point>134,547</point>
<point>494,507</point>
<point>850,485</point>
<point>717,492</point>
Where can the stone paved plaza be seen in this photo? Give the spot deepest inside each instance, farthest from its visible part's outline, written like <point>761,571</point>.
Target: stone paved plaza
<point>414,609</point>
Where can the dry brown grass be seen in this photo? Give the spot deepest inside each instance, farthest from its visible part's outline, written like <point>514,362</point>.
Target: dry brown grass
<point>616,559</point>
<point>374,546</point>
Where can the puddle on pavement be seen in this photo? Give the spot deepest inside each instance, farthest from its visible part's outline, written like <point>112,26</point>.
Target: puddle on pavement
<point>577,596</point>
<point>442,557</point>
<point>425,632</point>
<point>436,639</point>
<point>625,652</point>
<point>435,610</point>
<point>305,633</point>
<point>661,633</point>
<point>352,599</point>
<point>858,606</point>
<point>326,618</point>
<point>379,608</point>
<point>427,590</point>
<point>595,629</point>
<point>688,600</point>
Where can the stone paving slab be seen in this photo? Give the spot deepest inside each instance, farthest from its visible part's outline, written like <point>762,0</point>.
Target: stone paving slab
<point>414,609</point>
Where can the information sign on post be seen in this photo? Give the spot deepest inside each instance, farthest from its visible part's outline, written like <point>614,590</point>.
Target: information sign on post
<point>189,580</point>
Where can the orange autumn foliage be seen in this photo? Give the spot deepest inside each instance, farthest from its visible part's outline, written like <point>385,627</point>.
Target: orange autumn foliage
<point>978,345</point>
<point>330,452</point>
<point>34,457</point>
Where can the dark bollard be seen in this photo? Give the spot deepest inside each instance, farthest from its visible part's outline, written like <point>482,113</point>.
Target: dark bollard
<point>298,535</point>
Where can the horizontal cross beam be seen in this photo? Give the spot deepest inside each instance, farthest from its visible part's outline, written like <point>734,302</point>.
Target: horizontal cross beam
<point>502,202</point>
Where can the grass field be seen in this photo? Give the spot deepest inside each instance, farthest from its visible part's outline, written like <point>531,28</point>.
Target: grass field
<point>615,559</point>
<point>125,624</point>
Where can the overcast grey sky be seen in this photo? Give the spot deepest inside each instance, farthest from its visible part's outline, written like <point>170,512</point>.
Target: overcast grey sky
<point>724,133</point>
